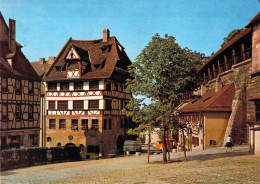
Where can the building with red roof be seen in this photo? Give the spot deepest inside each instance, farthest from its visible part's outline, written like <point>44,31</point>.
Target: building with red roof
<point>224,99</point>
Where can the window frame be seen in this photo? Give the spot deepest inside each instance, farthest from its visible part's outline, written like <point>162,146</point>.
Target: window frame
<point>18,112</point>
<point>4,88</point>
<point>94,124</point>
<point>92,105</point>
<point>78,86</point>
<point>78,104</point>
<point>50,105</point>
<point>52,86</point>
<point>64,86</point>
<point>62,106</point>
<point>74,124</point>
<point>52,123</point>
<point>94,85</point>
<point>18,86</point>
<point>30,114</point>
<point>84,124</point>
<point>30,91</point>
<point>62,123</point>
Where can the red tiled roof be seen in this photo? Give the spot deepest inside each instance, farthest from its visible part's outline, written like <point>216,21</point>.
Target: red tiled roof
<point>253,20</point>
<point>212,101</point>
<point>102,53</point>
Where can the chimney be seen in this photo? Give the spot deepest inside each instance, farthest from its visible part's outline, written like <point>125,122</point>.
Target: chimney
<point>12,42</point>
<point>41,61</point>
<point>51,60</point>
<point>106,35</point>
<point>218,85</point>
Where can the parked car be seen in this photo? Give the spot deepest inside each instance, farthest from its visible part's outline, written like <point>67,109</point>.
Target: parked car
<point>130,145</point>
<point>170,144</point>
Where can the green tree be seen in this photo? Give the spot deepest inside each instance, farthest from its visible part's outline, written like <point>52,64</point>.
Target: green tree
<point>231,35</point>
<point>160,73</point>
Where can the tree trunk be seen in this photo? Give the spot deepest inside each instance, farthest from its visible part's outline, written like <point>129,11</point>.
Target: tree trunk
<point>149,142</point>
<point>163,148</point>
<point>167,145</point>
<point>184,144</point>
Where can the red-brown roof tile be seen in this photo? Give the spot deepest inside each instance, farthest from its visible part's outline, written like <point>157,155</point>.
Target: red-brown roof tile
<point>212,101</point>
<point>253,20</point>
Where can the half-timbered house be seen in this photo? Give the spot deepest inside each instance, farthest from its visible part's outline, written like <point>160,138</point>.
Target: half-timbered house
<point>85,94</point>
<point>218,103</point>
<point>19,93</point>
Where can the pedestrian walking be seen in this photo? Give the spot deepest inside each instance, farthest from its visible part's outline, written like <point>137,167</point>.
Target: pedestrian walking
<point>229,143</point>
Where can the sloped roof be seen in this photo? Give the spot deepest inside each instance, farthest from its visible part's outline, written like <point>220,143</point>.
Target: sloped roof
<point>254,20</point>
<point>239,36</point>
<point>96,52</point>
<point>212,101</point>
<point>41,69</point>
<point>257,97</point>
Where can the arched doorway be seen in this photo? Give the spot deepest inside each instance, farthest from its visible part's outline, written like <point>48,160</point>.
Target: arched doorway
<point>70,145</point>
<point>120,144</point>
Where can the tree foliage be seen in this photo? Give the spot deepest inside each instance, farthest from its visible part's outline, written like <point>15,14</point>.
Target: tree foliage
<point>231,35</point>
<point>161,72</point>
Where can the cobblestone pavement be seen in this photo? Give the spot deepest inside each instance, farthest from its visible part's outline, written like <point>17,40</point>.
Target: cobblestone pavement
<point>209,166</point>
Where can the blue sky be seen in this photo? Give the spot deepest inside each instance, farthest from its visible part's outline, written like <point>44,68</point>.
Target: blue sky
<point>43,27</point>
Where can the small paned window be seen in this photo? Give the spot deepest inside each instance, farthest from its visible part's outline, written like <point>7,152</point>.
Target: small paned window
<point>78,85</point>
<point>52,86</point>
<point>110,124</point>
<point>51,105</point>
<point>52,123</point>
<point>78,105</point>
<point>30,111</point>
<point>84,124</point>
<point>62,123</point>
<point>93,104</point>
<point>62,105</point>
<point>93,85</point>
<point>74,124</point>
<point>30,87</point>
<point>95,124</point>
<point>4,85</point>
<point>18,111</point>
<point>108,104</point>
<point>64,86</point>
<point>18,86</point>
<point>105,124</point>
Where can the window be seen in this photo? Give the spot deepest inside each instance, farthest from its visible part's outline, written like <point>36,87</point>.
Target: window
<point>4,112</point>
<point>30,111</point>
<point>64,86</point>
<point>58,144</point>
<point>52,123</point>
<point>116,87</point>
<point>93,85</point>
<point>62,123</point>
<point>48,139</point>
<point>74,124</point>
<point>51,105</point>
<point>105,124</point>
<point>52,86</point>
<point>34,139</point>
<point>108,104</point>
<point>110,124</point>
<point>78,85</point>
<point>30,87</point>
<point>18,111</point>
<point>4,85</point>
<point>78,105</point>
<point>93,104</point>
<point>94,124</point>
<point>108,86</point>
<point>84,124</point>
<point>62,105</point>
<point>126,123</point>
<point>18,86</point>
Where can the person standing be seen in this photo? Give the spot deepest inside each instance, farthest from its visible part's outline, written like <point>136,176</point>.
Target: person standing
<point>229,143</point>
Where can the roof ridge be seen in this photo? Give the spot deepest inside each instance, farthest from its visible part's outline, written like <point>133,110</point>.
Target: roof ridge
<point>218,94</point>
